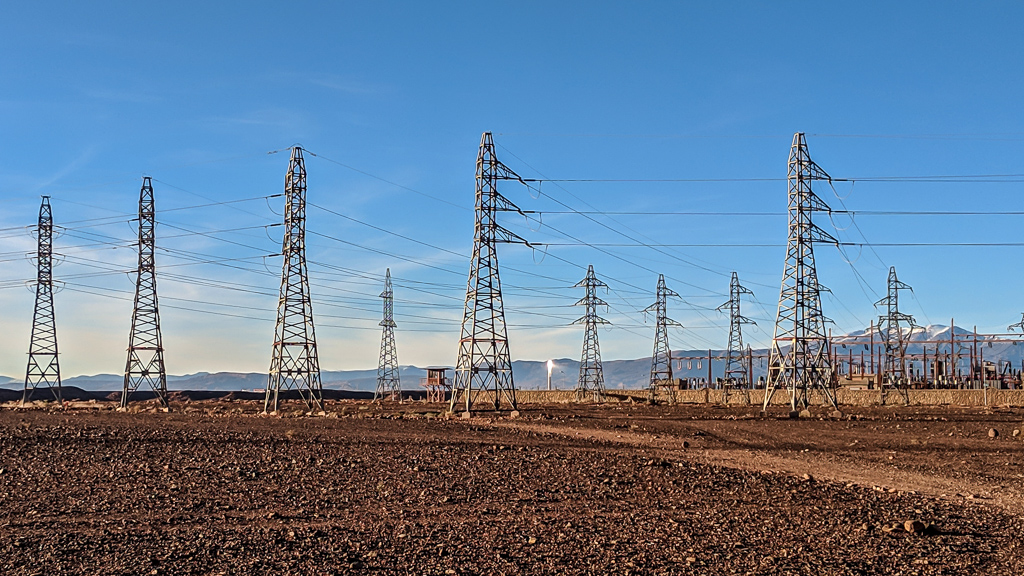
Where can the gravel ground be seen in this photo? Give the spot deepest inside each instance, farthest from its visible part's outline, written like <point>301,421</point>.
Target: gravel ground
<point>206,491</point>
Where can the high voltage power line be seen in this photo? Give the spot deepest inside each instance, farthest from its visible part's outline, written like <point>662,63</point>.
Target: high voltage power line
<point>333,295</point>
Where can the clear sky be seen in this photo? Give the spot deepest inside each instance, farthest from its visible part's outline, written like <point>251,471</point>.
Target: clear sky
<point>393,97</point>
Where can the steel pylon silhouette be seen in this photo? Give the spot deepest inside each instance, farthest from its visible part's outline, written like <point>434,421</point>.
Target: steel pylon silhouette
<point>1020,324</point>
<point>736,369</point>
<point>661,360</point>
<point>890,326</point>
<point>43,365</point>
<point>591,380</point>
<point>388,381</point>
<point>294,364</point>
<point>801,357</point>
<point>484,366</point>
<point>145,363</point>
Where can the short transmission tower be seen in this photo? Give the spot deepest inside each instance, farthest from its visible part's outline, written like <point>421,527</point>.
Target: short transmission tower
<point>661,361</point>
<point>591,373</point>
<point>294,364</point>
<point>737,374</point>
<point>890,326</point>
<point>801,354</point>
<point>484,366</point>
<point>145,363</point>
<point>388,381</point>
<point>43,366</point>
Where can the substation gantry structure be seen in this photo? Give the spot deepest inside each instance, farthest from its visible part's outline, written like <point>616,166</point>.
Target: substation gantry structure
<point>145,364</point>
<point>43,364</point>
<point>389,384</point>
<point>800,360</point>
<point>591,381</point>
<point>483,370</point>
<point>661,359</point>
<point>294,362</point>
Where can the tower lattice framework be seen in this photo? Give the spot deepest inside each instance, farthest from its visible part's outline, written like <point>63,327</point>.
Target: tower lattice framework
<point>294,364</point>
<point>736,370</point>
<point>801,360</point>
<point>484,366</point>
<point>145,363</point>
<point>661,360</point>
<point>591,380</point>
<point>890,326</point>
<point>1020,324</point>
<point>43,365</point>
<point>389,383</point>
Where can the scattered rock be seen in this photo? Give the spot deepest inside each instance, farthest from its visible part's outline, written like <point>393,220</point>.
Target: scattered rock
<point>805,413</point>
<point>914,526</point>
<point>888,528</point>
<point>1016,433</point>
<point>993,433</point>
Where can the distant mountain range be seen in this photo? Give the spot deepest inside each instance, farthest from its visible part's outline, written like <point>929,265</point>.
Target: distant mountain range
<point>532,374</point>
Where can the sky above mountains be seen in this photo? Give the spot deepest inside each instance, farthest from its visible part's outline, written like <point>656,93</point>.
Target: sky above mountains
<point>676,117</point>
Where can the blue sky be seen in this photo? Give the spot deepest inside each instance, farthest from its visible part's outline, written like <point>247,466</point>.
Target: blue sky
<point>392,98</point>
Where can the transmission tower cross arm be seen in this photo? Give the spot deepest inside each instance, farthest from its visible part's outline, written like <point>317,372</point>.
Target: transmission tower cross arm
<point>506,236</point>
<point>584,319</point>
<point>589,281</point>
<point>816,234</point>
<point>1018,324</point>
<point>590,301</point>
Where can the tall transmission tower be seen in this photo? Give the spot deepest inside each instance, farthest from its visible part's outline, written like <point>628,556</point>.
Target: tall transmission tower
<point>661,361</point>
<point>294,364</point>
<point>591,373</point>
<point>484,366</point>
<point>890,325</point>
<point>43,366</point>
<point>736,370</point>
<point>388,381</point>
<point>145,363</point>
<point>801,357</point>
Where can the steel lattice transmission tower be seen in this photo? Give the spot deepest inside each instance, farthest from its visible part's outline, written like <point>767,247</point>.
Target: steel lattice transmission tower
<point>801,358</point>
<point>591,373</point>
<point>145,363</point>
<point>43,365</point>
<point>890,326</point>
<point>736,372</point>
<point>388,381</point>
<point>484,366</point>
<point>294,364</point>
<point>661,361</point>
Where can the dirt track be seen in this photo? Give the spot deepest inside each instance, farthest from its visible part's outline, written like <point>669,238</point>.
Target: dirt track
<point>615,489</point>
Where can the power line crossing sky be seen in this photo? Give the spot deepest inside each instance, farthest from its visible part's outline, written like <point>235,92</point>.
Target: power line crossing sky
<point>653,138</point>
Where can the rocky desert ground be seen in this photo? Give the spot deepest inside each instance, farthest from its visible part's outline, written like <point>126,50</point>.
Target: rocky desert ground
<point>618,488</point>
